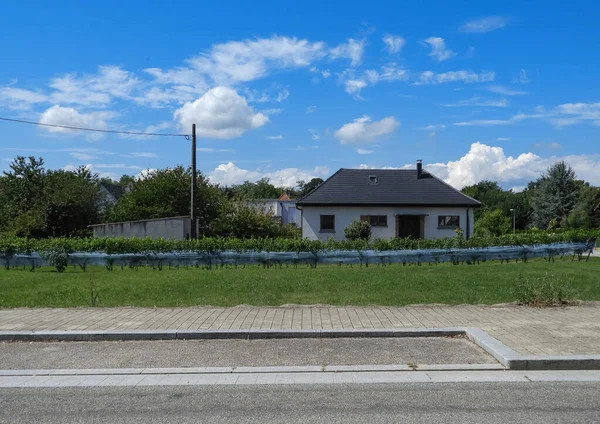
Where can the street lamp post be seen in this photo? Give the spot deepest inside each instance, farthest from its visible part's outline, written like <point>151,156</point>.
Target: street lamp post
<point>514,213</point>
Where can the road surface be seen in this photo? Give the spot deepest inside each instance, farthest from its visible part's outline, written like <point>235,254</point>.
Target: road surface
<point>357,403</point>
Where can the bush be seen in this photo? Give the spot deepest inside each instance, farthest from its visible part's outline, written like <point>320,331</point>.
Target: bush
<point>358,230</point>
<point>543,291</point>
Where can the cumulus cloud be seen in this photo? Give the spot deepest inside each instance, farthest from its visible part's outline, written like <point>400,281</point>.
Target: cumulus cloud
<point>393,43</point>
<point>58,115</point>
<point>438,49</point>
<point>220,113</point>
<point>229,174</point>
<point>430,77</point>
<point>484,162</point>
<point>352,50</point>
<point>364,151</point>
<point>363,130</point>
<point>487,24</point>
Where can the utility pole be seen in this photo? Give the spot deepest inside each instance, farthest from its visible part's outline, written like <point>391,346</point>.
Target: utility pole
<point>193,218</point>
<point>514,220</point>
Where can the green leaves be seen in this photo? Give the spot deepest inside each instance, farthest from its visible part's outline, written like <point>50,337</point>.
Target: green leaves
<point>9,246</point>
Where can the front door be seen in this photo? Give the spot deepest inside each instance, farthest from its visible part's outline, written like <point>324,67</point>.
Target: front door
<point>408,226</point>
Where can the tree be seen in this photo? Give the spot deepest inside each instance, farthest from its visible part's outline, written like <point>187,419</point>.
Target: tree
<point>587,212</point>
<point>493,223</point>
<point>306,188</point>
<point>358,230</point>
<point>166,193</point>
<point>555,196</point>
<point>239,220</point>
<point>494,197</point>
<point>262,189</point>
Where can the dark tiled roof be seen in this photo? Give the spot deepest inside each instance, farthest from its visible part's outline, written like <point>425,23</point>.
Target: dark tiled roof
<point>393,187</point>
<point>115,189</point>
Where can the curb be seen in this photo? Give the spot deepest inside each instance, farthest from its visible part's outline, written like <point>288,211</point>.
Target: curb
<point>510,359</point>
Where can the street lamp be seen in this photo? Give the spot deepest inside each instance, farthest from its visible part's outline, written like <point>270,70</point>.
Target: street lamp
<point>514,213</point>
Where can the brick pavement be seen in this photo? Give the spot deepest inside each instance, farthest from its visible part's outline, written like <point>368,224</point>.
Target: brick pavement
<point>529,331</point>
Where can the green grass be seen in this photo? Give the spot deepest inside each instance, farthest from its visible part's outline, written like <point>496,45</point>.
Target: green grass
<point>486,283</point>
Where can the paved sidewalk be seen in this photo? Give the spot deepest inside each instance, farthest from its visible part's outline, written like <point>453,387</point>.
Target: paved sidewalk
<point>528,331</point>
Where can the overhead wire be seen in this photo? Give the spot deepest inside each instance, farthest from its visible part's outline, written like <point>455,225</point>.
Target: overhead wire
<point>21,121</point>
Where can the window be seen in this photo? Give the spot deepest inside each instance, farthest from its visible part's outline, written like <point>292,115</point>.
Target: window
<point>372,179</point>
<point>375,220</point>
<point>449,221</point>
<point>327,223</point>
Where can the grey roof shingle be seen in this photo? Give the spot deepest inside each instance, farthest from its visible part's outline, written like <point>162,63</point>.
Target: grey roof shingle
<point>393,187</point>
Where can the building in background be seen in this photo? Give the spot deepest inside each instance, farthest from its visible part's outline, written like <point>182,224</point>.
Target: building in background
<point>282,209</point>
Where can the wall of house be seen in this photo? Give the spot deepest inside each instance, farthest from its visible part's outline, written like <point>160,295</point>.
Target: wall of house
<point>177,228</point>
<point>311,220</point>
<point>289,213</point>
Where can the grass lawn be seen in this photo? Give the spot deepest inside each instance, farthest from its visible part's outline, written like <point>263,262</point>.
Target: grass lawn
<point>486,283</point>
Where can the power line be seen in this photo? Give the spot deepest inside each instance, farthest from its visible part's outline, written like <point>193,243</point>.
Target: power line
<point>95,129</point>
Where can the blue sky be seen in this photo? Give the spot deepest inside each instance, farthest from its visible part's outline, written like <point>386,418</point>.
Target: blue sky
<point>292,90</point>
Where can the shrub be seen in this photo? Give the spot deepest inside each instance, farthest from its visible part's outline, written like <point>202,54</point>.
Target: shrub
<point>543,291</point>
<point>358,230</point>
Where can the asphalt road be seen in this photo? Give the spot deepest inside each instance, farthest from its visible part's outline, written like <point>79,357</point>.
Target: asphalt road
<point>222,353</point>
<point>408,403</point>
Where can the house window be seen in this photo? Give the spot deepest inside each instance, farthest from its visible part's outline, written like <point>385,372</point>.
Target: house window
<point>327,223</point>
<point>375,220</point>
<point>448,221</point>
<point>372,179</point>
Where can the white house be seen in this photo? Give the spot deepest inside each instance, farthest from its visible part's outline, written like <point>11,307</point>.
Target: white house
<point>283,209</point>
<point>397,203</point>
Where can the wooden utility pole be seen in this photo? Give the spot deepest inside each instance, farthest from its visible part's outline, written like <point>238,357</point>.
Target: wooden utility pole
<point>194,229</point>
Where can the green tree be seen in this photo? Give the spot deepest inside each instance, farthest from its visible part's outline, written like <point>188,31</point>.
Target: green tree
<point>262,189</point>
<point>358,230</point>
<point>307,187</point>
<point>239,220</point>
<point>493,223</point>
<point>166,193</point>
<point>555,196</point>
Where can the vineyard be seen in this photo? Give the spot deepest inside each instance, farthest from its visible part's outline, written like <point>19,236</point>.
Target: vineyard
<point>268,252</point>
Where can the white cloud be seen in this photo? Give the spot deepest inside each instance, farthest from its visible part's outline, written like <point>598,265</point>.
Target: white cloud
<point>352,50</point>
<point>274,137</point>
<point>560,116</point>
<point>370,77</point>
<point>430,77</point>
<point>478,101</point>
<point>503,139</point>
<point>282,95</point>
<point>550,146</point>
<point>362,130</point>
<point>364,151</point>
<point>393,43</point>
<point>432,127</point>
<point>484,162</point>
<point>522,77</point>
<point>142,155</point>
<point>20,99</point>
<point>82,156</point>
<point>486,24</point>
<point>220,113</point>
<point>311,109</point>
<point>438,49</point>
<point>229,174</point>
<point>505,91</point>
<point>326,73</point>
<point>94,89</point>
<point>58,115</point>
<point>314,134</point>
<point>213,150</point>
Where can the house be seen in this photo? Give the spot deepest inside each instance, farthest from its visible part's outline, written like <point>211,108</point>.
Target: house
<point>109,194</point>
<point>283,209</point>
<point>396,202</point>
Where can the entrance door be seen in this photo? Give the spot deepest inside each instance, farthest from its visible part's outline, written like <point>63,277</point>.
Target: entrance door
<point>408,226</point>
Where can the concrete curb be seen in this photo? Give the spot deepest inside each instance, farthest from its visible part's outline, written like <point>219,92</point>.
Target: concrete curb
<point>503,354</point>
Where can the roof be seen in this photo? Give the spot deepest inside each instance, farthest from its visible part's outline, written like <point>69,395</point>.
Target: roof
<point>114,189</point>
<point>284,197</point>
<point>393,187</point>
